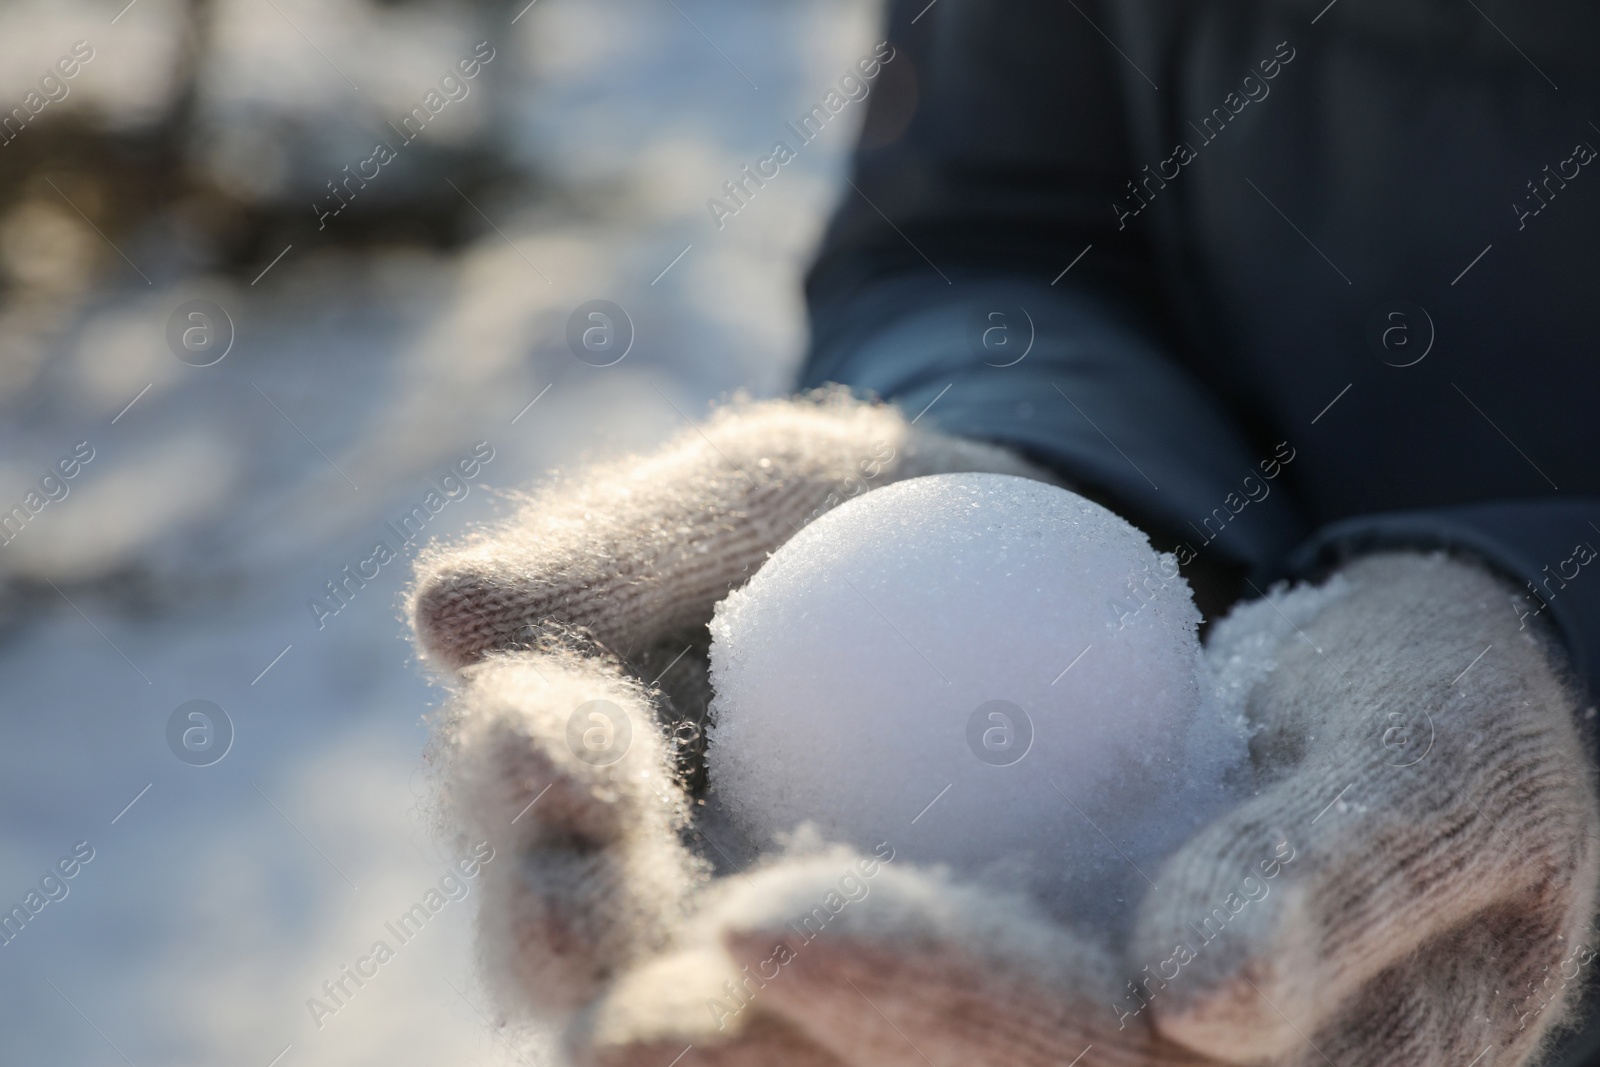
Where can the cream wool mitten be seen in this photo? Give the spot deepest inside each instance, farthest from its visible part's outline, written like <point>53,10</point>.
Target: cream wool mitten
<point>597,584</point>
<point>1419,760</point>
<point>875,964</point>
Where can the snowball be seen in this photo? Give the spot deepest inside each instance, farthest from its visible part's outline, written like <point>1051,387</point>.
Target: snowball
<point>984,671</point>
<point>1243,648</point>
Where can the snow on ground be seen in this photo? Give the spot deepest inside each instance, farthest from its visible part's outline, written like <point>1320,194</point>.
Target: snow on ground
<point>180,563</point>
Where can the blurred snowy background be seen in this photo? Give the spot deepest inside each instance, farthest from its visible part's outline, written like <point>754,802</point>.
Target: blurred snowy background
<point>184,160</point>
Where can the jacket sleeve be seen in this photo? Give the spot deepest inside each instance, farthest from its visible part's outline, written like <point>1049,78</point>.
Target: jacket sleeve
<point>976,273</point>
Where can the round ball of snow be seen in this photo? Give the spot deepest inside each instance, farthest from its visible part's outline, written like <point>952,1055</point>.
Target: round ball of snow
<point>980,670</point>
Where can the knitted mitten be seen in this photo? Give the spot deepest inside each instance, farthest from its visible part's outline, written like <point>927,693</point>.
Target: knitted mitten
<point>1428,816</point>
<point>864,961</point>
<point>552,749</point>
<point>638,551</point>
<point>554,758</point>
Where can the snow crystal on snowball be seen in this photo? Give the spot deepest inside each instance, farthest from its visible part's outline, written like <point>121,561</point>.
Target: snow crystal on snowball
<point>984,671</point>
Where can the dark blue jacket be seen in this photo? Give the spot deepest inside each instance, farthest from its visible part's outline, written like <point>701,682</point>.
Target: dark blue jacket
<point>1353,246</point>
<point>1282,280</point>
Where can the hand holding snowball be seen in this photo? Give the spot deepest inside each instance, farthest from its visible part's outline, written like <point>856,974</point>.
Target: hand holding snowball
<point>608,917</point>
<point>1419,752</point>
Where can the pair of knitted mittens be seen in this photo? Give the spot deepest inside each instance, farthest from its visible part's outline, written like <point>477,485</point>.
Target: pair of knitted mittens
<point>1412,883</point>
